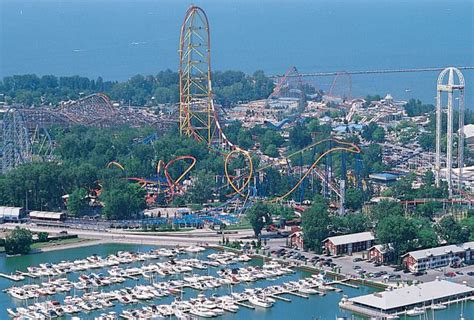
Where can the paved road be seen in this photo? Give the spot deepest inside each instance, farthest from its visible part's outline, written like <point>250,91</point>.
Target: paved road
<point>168,238</point>
<point>347,267</point>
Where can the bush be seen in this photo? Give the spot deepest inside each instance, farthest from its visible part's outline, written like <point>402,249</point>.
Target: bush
<point>43,237</point>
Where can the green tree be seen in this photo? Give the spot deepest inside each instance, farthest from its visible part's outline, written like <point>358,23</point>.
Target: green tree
<point>18,241</point>
<point>271,151</point>
<point>386,208</point>
<point>427,209</point>
<point>399,231</point>
<point>315,222</point>
<point>202,188</point>
<point>259,215</point>
<point>77,202</point>
<point>452,231</point>
<point>43,236</point>
<point>468,224</point>
<point>427,237</point>
<point>373,132</point>
<point>299,137</point>
<point>122,200</point>
<point>353,223</point>
<point>355,198</point>
<point>378,135</point>
<point>372,159</point>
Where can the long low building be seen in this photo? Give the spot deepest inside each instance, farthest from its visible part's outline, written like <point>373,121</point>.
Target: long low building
<point>11,213</point>
<point>421,260</point>
<point>398,301</point>
<point>47,215</point>
<point>349,243</point>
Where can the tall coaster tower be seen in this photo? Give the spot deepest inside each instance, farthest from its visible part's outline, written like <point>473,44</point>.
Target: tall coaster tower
<point>197,115</point>
<point>16,147</point>
<point>451,87</point>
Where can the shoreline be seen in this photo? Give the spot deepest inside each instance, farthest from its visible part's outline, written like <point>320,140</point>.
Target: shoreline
<point>85,243</point>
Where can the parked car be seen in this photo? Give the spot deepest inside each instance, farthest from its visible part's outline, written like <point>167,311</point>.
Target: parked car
<point>470,273</point>
<point>450,274</point>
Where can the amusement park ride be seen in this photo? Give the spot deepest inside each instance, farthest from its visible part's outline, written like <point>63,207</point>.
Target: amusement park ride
<point>199,118</point>
<point>25,136</point>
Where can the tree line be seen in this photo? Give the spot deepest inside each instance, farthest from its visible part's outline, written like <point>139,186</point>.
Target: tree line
<point>229,87</point>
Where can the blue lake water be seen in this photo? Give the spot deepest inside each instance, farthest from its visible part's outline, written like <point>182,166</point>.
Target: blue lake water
<point>315,307</point>
<point>117,38</point>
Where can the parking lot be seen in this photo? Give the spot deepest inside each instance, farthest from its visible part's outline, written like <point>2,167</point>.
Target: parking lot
<point>350,265</point>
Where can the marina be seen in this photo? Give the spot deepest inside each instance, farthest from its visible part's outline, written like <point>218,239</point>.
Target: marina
<point>144,282</point>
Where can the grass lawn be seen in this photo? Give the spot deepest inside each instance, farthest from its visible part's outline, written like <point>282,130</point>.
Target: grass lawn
<point>243,224</point>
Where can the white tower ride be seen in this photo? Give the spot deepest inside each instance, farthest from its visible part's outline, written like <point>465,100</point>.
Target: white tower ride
<point>450,87</point>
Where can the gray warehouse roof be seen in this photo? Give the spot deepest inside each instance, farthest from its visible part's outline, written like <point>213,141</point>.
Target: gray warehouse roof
<point>351,238</point>
<point>410,295</point>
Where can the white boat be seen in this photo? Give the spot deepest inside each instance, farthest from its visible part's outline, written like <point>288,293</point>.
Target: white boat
<point>415,312</point>
<point>438,306</point>
<point>194,249</point>
<point>260,302</point>
<point>307,290</point>
<point>11,312</point>
<point>202,312</point>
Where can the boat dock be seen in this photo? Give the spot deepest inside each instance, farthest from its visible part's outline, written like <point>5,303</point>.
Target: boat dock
<point>244,305</point>
<point>27,274</point>
<point>13,277</point>
<point>274,296</point>
<point>344,282</point>
<point>296,293</point>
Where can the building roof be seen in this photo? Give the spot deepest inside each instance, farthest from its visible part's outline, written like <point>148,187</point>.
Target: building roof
<point>382,248</point>
<point>411,295</point>
<point>469,130</point>
<point>296,234</point>
<point>383,176</point>
<point>46,215</point>
<point>438,251</point>
<point>10,212</point>
<point>351,238</point>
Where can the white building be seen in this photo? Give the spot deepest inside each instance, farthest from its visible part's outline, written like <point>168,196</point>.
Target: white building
<point>385,303</point>
<point>11,213</point>
<point>421,260</point>
<point>469,136</point>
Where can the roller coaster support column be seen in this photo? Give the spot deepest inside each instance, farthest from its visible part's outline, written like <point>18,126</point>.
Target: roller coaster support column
<point>342,198</point>
<point>358,169</point>
<point>197,116</point>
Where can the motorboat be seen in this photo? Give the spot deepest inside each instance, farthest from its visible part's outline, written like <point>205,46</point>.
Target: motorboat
<point>200,311</point>
<point>415,312</point>
<point>262,302</point>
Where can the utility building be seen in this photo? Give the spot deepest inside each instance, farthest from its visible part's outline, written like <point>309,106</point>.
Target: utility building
<point>349,243</point>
